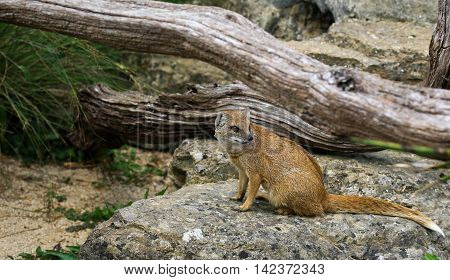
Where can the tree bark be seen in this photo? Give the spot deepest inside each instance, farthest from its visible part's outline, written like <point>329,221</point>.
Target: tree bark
<point>111,118</point>
<point>439,75</point>
<point>339,102</point>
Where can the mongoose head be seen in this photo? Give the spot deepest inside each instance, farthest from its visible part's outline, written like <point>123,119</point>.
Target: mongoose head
<point>233,130</point>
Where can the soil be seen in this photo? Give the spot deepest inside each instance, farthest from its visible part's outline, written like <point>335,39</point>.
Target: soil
<point>30,197</point>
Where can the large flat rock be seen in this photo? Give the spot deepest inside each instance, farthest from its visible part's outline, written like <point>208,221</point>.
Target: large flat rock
<point>200,222</point>
<point>394,50</point>
<point>418,11</point>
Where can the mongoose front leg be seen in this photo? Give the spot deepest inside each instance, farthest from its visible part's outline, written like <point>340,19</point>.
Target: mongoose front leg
<point>254,183</point>
<point>243,182</point>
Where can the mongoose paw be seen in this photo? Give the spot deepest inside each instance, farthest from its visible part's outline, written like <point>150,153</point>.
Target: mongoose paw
<point>284,211</point>
<point>237,197</point>
<point>244,208</point>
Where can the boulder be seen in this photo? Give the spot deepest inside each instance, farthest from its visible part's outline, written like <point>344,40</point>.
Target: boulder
<point>198,161</point>
<point>394,50</point>
<point>201,222</point>
<point>285,19</point>
<point>418,11</point>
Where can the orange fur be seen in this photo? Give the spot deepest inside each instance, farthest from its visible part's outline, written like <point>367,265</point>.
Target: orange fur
<point>292,178</point>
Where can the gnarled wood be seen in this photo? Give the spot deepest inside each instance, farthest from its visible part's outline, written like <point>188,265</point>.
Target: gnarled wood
<point>439,75</point>
<point>112,118</point>
<point>336,101</point>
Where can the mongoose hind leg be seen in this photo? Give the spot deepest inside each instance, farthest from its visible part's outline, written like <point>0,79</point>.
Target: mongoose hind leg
<point>310,209</point>
<point>285,211</point>
<point>262,195</point>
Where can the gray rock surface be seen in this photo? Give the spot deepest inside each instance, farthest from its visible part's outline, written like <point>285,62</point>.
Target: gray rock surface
<point>402,10</point>
<point>200,161</point>
<point>395,50</point>
<point>285,19</point>
<point>200,222</point>
<point>374,40</point>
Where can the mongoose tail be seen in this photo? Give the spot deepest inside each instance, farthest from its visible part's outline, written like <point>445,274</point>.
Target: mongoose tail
<point>370,205</point>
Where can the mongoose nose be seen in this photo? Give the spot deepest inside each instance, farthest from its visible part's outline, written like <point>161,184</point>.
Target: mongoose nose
<point>250,137</point>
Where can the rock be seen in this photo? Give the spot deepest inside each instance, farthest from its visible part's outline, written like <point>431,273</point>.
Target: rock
<point>163,73</point>
<point>200,161</point>
<point>401,10</point>
<point>394,50</point>
<point>285,19</point>
<point>201,222</point>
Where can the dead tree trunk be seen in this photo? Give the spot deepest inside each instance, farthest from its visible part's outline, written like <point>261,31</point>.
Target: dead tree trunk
<point>439,75</point>
<point>112,118</point>
<point>338,102</point>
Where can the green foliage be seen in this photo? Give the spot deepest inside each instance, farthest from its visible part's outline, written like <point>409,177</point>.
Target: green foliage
<point>40,73</point>
<point>58,197</point>
<point>58,253</point>
<point>99,214</point>
<point>162,192</point>
<point>125,168</point>
<point>429,256</point>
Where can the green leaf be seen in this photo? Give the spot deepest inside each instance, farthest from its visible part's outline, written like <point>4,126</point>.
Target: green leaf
<point>61,255</point>
<point>429,256</point>
<point>74,249</point>
<point>27,256</point>
<point>162,192</point>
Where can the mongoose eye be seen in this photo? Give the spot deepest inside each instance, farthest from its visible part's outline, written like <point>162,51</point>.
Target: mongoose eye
<point>235,128</point>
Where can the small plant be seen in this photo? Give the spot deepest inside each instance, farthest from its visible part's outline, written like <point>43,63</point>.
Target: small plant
<point>124,167</point>
<point>429,256</point>
<point>58,197</point>
<point>162,192</point>
<point>58,253</point>
<point>99,214</point>
<point>49,203</point>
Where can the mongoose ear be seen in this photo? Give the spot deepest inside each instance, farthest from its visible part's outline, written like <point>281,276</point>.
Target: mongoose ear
<point>219,119</point>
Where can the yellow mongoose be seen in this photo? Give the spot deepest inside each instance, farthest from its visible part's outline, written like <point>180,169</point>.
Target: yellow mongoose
<point>292,177</point>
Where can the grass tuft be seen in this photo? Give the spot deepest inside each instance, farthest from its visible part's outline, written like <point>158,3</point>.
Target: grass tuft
<point>40,73</point>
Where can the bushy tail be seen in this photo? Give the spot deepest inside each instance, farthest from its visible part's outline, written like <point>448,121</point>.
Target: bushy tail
<point>370,205</point>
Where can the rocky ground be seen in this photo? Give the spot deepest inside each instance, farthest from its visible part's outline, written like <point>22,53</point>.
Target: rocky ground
<point>386,37</point>
<point>201,222</point>
<point>30,197</point>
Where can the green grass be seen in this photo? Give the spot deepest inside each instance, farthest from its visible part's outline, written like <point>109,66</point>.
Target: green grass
<point>123,165</point>
<point>429,256</point>
<point>40,73</point>
<point>99,214</point>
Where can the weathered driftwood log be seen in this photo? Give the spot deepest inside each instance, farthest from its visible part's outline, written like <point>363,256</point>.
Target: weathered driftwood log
<point>336,101</point>
<point>111,118</point>
<point>439,75</point>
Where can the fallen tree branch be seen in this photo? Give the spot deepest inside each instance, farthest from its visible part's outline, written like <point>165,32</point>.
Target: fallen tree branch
<point>112,118</point>
<point>341,102</point>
